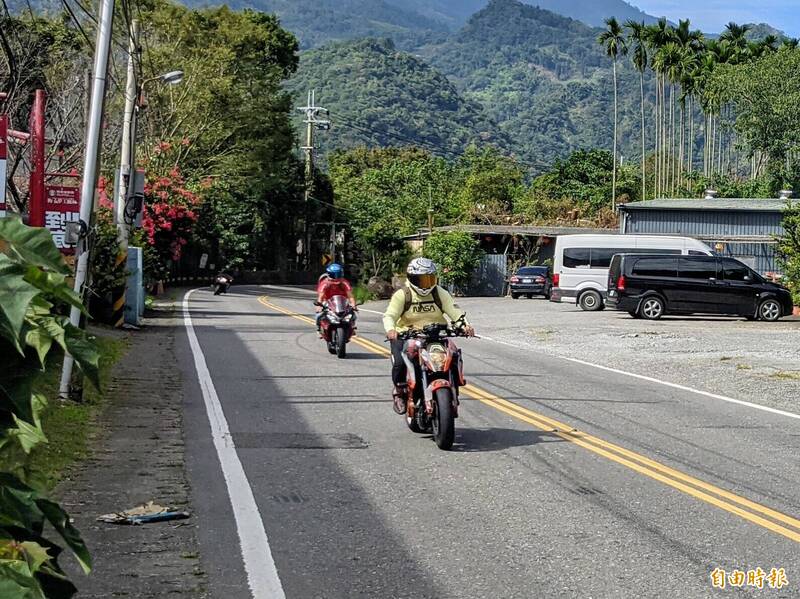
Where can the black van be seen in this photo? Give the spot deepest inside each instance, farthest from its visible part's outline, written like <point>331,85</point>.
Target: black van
<point>651,285</point>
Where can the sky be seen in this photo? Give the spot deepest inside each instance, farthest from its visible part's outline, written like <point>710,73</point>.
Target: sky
<point>712,15</point>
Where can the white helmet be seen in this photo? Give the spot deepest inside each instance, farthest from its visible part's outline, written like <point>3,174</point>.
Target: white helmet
<point>422,275</point>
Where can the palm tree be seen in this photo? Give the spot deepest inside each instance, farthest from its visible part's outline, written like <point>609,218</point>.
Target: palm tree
<point>613,40</point>
<point>658,35</point>
<point>638,34</point>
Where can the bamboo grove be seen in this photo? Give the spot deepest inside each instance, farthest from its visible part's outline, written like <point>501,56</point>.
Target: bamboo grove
<point>687,120</point>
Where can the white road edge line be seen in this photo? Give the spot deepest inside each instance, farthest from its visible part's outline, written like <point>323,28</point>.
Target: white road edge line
<point>665,383</point>
<point>624,373</point>
<point>262,575</point>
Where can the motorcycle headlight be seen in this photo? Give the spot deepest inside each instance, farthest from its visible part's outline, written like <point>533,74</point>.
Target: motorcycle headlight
<point>333,318</point>
<point>348,318</point>
<point>437,356</point>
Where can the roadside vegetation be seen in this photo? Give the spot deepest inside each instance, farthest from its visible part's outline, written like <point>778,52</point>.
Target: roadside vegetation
<point>34,332</point>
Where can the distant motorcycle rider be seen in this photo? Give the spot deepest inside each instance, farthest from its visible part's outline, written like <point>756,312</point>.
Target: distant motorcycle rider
<point>420,303</point>
<point>334,284</point>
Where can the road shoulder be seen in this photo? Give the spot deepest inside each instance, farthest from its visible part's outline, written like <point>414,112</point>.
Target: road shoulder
<point>138,456</point>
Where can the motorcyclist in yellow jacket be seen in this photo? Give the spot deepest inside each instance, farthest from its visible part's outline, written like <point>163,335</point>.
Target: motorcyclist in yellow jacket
<point>420,303</point>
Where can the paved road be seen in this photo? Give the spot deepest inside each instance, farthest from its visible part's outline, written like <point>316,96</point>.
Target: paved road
<point>565,480</point>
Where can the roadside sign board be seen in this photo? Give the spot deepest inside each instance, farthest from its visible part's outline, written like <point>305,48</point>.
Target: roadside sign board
<point>326,259</point>
<point>3,159</point>
<point>62,206</point>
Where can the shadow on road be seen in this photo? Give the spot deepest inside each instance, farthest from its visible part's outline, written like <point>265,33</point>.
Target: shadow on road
<point>469,440</point>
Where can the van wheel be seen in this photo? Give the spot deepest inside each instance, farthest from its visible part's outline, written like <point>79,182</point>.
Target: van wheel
<point>769,310</point>
<point>591,301</point>
<point>652,308</point>
<point>515,296</point>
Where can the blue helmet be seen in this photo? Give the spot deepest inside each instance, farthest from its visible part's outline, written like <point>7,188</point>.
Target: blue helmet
<point>335,271</point>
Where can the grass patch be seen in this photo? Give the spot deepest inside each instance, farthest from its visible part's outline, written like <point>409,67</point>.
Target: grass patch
<point>68,425</point>
<point>744,367</point>
<point>786,375</point>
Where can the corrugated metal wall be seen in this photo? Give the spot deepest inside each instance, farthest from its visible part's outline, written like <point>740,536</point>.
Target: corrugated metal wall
<point>709,224</point>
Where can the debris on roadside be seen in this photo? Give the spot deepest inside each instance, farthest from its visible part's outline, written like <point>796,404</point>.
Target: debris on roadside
<point>143,514</point>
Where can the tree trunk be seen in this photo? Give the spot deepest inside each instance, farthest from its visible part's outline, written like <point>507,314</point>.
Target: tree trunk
<point>614,162</point>
<point>644,178</point>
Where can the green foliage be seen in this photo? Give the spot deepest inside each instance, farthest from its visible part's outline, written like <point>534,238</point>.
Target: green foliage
<point>789,250</point>
<point>582,182</point>
<point>381,96</point>
<point>227,127</point>
<point>456,253</point>
<point>765,93</point>
<point>32,289</point>
<point>386,194</point>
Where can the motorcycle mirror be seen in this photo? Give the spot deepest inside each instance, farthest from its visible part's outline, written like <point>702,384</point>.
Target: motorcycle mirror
<point>317,303</point>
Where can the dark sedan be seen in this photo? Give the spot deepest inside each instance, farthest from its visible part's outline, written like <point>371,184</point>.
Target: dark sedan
<point>530,281</point>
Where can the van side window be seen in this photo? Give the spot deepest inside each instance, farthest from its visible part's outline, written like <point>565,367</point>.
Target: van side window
<point>655,267</point>
<point>733,270</point>
<point>601,257</point>
<point>698,268</point>
<point>576,258</point>
<point>697,253</point>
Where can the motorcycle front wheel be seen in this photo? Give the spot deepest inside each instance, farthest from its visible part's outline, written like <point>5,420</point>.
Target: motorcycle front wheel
<point>341,343</point>
<point>217,290</point>
<point>444,426</point>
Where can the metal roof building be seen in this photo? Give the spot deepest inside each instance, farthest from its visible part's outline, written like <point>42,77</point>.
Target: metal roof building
<point>743,228</point>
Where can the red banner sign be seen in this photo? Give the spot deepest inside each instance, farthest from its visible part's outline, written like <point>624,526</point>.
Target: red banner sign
<point>3,157</point>
<point>63,206</point>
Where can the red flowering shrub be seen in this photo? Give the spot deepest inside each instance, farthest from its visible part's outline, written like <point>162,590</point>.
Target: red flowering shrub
<point>168,218</point>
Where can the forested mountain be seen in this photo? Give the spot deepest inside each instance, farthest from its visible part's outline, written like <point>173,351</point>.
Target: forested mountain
<point>541,76</point>
<point>381,96</point>
<point>316,22</point>
<point>592,12</point>
<point>521,77</point>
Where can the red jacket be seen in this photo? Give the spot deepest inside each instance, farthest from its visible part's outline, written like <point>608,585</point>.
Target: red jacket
<point>330,287</point>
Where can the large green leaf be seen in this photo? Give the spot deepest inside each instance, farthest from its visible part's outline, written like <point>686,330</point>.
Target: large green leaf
<point>27,435</point>
<point>38,338</point>
<point>84,352</point>
<point>59,519</point>
<point>32,244</point>
<point>18,507</point>
<point>17,391</point>
<point>15,294</point>
<point>16,581</point>
<point>54,285</point>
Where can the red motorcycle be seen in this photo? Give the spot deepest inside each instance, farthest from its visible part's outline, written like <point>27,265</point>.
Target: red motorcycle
<point>435,374</point>
<point>337,324</point>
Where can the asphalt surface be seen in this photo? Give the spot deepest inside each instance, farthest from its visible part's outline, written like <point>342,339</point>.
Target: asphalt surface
<point>637,490</point>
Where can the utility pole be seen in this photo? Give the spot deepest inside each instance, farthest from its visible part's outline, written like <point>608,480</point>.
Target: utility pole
<point>313,123</point>
<point>90,161</point>
<point>126,159</point>
<point>124,177</point>
<point>37,200</point>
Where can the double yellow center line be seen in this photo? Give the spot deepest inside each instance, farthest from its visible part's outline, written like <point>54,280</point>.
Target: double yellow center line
<point>751,511</point>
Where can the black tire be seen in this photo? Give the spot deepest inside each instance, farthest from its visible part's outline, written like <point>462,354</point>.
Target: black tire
<point>591,301</point>
<point>770,310</point>
<point>217,290</point>
<point>652,308</point>
<point>444,424</point>
<point>634,314</point>
<point>340,341</point>
<point>515,296</point>
<point>530,296</point>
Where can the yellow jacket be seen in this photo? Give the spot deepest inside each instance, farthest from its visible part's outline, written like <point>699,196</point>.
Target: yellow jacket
<point>423,310</point>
